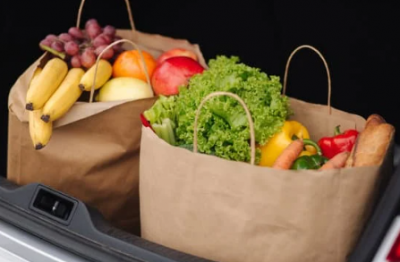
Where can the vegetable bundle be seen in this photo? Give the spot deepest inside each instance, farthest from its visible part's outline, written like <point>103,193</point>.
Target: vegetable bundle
<point>223,130</point>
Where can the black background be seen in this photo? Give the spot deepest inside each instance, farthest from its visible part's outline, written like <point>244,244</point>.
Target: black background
<point>360,42</point>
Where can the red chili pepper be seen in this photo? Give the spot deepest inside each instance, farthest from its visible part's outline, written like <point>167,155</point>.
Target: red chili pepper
<point>340,142</point>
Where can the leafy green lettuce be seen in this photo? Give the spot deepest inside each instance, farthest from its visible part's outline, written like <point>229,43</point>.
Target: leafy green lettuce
<point>162,117</point>
<point>223,128</point>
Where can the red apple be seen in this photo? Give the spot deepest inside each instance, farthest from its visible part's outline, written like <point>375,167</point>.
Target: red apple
<point>172,73</point>
<point>176,52</point>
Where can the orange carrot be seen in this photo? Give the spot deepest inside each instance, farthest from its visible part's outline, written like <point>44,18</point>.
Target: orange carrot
<point>338,161</point>
<point>289,155</point>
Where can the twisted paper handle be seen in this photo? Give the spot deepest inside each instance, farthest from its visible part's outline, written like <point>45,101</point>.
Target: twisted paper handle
<point>110,46</point>
<point>128,8</point>
<point>326,67</point>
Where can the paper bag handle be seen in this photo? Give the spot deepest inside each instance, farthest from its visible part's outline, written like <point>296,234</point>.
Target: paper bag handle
<point>146,72</point>
<point>325,64</point>
<point>251,125</point>
<point>128,7</point>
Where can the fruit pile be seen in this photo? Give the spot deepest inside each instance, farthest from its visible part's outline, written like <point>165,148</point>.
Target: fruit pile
<point>167,73</point>
<point>81,48</point>
<point>121,75</point>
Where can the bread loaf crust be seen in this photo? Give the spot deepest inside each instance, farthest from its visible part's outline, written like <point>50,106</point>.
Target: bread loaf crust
<point>372,143</point>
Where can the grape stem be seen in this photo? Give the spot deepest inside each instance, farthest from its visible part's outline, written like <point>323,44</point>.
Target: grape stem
<point>84,45</point>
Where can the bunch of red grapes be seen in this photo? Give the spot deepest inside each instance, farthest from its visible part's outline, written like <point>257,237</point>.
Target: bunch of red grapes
<point>83,47</point>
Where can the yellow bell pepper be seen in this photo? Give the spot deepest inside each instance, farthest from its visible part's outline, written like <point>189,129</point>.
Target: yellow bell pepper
<point>274,147</point>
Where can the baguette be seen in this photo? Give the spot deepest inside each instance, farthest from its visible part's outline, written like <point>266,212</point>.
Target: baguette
<point>372,143</point>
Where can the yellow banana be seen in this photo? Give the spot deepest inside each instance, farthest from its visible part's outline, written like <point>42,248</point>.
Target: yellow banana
<point>104,71</point>
<point>46,84</point>
<point>64,97</point>
<point>39,131</point>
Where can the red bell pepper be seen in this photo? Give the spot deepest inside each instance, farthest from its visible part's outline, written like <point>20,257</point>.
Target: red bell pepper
<point>340,142</point>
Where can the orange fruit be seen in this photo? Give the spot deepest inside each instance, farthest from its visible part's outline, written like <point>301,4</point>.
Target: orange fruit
<point>129,64</point>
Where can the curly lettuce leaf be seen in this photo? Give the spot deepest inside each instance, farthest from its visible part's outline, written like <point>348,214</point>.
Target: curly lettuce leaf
<point>223,126</point>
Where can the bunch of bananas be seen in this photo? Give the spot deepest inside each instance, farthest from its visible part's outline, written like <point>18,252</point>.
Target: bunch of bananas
<point>53,90</point>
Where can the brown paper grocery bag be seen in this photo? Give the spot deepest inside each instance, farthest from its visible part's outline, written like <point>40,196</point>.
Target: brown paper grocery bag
<point>93,154</point>
<point>236,212</point>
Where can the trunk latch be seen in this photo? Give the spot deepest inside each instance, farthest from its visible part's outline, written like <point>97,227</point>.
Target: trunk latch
<point>53,204</point>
